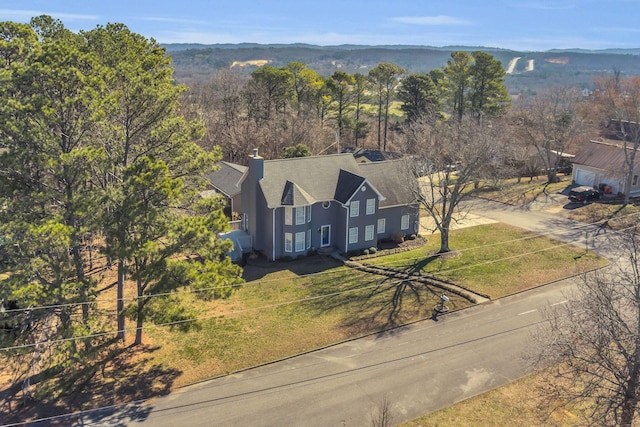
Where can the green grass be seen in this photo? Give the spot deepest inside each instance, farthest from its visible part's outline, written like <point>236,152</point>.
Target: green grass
<point>496,259</point>
<point>286,308</point>
<point>283,313</point>
<point>394,109</point>
<point>291,307</point>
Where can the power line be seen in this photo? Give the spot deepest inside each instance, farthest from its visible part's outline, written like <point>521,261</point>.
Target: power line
<point>326,295</point>
<point>535,236</point>
<point>289,302</point>
<point>178,322</point>
<point>80,413</point>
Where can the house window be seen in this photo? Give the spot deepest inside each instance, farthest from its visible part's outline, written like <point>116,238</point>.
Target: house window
<point>368,232</point>
<point>308,214</point>
<point>354,210</point>
<point>309,239</point>
<point>382,224</point>
<point>326,204</point>
<point>288,242</point>
<point>300,240</point>
<point>371,206</point>
<point>300,216</point>
<point>288,216</point>
<point>635,180</point>
<point>353,235</point>
<point>404,222</point>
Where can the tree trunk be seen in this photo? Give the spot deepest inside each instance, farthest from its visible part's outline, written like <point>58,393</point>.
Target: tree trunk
<point>386,121</point>
<point>139,317</point>
<point>380,123</point>
<point>630,404</point>
<point>444,239</point>
<point>120,302</point>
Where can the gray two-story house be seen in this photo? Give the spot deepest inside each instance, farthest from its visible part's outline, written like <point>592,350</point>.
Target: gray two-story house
<point>293,206</point>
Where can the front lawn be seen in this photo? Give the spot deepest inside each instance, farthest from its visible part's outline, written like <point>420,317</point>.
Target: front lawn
<point>291,307</point>
<point>607,214</point>
<point>286,308</point>
<point>496,259</point>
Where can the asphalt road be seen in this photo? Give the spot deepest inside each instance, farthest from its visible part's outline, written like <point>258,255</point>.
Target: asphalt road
<point>415,369</point>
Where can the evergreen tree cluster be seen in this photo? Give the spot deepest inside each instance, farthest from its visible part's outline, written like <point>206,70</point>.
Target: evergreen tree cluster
<point>99,171</point>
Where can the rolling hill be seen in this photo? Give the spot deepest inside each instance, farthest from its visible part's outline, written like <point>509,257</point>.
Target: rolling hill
<point>532,71</point>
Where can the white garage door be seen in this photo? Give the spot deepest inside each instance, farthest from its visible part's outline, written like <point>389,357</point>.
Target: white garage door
<point>584,177</point>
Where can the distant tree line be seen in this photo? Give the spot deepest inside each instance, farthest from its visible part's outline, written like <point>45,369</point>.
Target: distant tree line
<point>277,108</point>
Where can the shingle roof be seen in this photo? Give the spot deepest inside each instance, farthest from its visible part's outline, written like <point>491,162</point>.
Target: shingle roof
<point>366,155</point>
<point>306,180</point>
<point>226,178</point>
<point>293,195</point>
<point>391,179</point>
<point>348,183</point>
<point>604,155</point>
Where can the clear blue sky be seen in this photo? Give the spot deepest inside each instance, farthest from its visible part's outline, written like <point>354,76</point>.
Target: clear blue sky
<point>511,24</point>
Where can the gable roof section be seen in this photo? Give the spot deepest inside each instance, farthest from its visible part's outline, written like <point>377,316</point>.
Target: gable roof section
<point>293,195</point>
<point>390,178</point>
<point>604,155</point>
<point>227,177</point>
<point>317,176</point>
<point>307,180</point>
<point>348,183</point>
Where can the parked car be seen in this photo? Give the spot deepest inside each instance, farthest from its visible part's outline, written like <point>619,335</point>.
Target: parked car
<point>584,194</point>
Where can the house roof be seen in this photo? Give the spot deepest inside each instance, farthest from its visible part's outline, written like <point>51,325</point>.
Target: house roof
<point>306,180</point>
<point>604,155</point>
<point>366,155</point>
<point>390,179</point>
<point>348,183</point>
<point>293,195</point>
<point>226,178</point>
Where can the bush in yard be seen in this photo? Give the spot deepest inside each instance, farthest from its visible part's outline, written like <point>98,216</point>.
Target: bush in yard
<point>397,237</point>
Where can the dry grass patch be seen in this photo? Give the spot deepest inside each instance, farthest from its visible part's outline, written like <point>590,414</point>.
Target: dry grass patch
<point>526,191</point>
<point>519,404</point>
<point>610,214</point>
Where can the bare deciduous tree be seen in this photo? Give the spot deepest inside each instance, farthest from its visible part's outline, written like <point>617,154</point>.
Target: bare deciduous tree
<point>619,101</point>
<point>593,343</point>
<point>381,415</point>
<point>454,157</point>
<point>549,123</point>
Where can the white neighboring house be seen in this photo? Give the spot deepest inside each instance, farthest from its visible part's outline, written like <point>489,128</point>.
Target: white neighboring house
<point>601,164</point>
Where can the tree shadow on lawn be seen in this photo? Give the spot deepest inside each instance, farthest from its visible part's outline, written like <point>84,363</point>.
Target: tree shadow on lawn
<point>383,304</point>
<point>259,267</point>
<point>112,385</point>
<point>418,266</point>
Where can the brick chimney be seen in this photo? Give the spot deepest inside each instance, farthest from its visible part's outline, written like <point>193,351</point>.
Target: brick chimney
<point>251,191</point>
<point>256,166</point>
